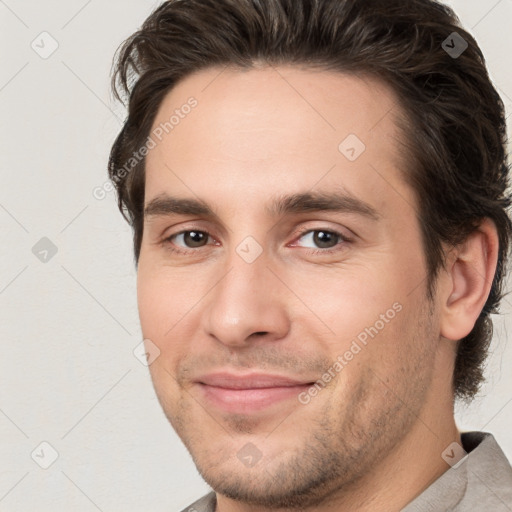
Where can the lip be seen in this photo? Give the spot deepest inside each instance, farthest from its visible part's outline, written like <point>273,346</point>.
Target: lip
<point>250,393</point>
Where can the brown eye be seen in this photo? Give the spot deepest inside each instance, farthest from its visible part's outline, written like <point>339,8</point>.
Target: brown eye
<point>321,239</point>
<point>190,239</point>
<point>325,239</point>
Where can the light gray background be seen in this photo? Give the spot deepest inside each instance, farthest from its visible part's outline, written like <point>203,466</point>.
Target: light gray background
<point>69,326</point>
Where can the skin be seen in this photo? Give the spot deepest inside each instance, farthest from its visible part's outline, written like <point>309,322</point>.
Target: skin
<point>254,136</point>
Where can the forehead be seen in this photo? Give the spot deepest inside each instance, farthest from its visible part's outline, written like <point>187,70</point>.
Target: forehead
<point>281,125</point>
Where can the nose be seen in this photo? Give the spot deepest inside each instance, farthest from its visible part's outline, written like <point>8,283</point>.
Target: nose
<point>247,304</point>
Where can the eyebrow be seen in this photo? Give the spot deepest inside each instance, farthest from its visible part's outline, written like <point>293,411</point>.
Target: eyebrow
<point>164,205</point>
<point>321,201</point>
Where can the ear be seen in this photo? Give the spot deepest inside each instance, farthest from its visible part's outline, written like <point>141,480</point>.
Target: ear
<point>467,281</point>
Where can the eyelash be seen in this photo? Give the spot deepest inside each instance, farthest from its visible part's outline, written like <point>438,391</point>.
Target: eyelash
<point>167,242</point>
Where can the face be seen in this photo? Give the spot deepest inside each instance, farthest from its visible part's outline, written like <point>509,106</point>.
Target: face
<point>282,278</point>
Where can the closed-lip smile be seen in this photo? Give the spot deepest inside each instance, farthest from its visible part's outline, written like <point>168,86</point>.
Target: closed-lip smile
<point>248,393</point>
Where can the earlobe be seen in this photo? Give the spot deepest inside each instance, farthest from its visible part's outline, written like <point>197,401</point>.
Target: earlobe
<point>469,278</point>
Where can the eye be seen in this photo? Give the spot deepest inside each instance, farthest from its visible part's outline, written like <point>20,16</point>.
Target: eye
<point>189,239</point>
<point>322,239</point>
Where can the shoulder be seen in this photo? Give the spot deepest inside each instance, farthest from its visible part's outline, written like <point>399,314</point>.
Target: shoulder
<point>481,481</point>
<point>489,474</point>
<point>205,504</point>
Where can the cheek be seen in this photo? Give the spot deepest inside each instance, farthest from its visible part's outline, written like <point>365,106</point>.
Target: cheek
<point>365,313</point>
<point>158,313</point>
<point>163,300</point>
<point>345,301</point>
<point>152,302</point>
<point>169,313</point>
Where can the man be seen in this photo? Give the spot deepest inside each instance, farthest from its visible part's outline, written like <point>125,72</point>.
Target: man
<point>318,195</point>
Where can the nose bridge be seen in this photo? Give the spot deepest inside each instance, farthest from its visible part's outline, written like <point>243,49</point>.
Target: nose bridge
<point>245,300</point>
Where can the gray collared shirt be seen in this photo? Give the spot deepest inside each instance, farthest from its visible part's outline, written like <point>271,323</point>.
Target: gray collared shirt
<point>481,482</point>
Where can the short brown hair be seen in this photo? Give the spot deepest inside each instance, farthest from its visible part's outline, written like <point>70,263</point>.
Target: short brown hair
<point>455,124</point>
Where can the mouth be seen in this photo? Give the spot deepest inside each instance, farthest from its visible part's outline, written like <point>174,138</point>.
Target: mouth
<point>246,394</point>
